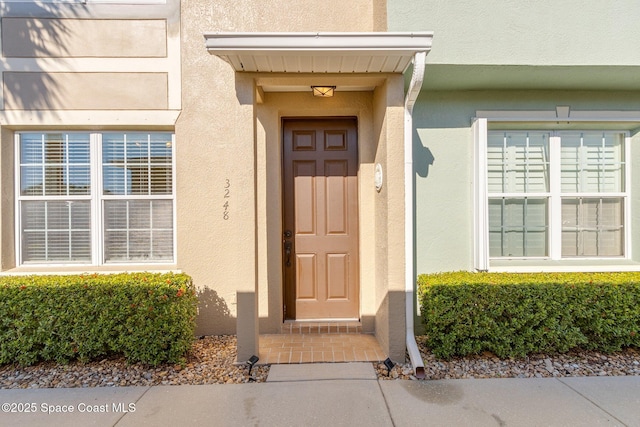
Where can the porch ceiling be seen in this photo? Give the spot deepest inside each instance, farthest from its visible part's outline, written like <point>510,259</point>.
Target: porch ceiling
<point>318,52</point>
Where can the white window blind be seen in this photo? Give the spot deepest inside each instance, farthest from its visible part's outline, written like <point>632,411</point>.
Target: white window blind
<point>592,162</point>
<point>592,187</point>
<point>137,197</point>
<point>518,162</point>
<point>592,226</point>
<point>588,190</point>
<point>54,201</point>
<point>518,192</point>
<point>127,217</point>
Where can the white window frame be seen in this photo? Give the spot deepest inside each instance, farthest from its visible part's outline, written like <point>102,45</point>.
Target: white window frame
<point>96,198</point>
<point>480,129</point>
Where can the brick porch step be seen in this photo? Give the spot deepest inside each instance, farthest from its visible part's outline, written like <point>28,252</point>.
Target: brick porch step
<point>321,327</point>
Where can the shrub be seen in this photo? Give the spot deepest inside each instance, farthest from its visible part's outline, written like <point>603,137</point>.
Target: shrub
<point>148,318</point>
<point>518,314</point>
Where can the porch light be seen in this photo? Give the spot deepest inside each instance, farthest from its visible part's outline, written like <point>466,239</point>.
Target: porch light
<point>323,91</point>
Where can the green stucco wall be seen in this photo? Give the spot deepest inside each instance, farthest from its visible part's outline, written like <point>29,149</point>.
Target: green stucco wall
<point>516,44</point>
<point>443,162</point>
<point>541,32</point>
<point>508,55</point>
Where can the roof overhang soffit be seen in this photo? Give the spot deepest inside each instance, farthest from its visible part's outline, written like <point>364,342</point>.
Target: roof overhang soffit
<point>318,52</point>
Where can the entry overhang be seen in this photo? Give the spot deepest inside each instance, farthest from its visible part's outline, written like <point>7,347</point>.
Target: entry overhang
<point>319,52</point>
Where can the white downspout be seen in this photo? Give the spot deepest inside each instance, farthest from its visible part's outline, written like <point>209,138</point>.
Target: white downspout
<point>417,77</point>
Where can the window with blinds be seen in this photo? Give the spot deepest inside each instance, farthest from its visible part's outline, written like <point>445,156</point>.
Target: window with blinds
<point>95,198</point>
<point>518,187</point>
<point>572,182</point>
<point>592,193</point>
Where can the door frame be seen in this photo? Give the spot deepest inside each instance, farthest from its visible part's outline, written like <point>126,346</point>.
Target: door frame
<point>289,298</point>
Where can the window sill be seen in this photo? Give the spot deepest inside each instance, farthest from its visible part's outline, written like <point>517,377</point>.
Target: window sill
<point>84,269</point>
<point>567,265</point>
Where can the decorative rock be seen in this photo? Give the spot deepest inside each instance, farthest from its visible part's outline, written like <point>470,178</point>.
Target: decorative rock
<point>211,361</point>
<point>571,364</point>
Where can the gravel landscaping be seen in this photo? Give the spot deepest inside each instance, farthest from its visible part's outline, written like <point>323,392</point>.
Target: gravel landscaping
<point>212,358</point>
<point>211,361</point>
<point>572,364</point>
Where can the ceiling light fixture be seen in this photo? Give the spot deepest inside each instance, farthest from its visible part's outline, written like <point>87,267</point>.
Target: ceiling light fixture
<point>323,91</point>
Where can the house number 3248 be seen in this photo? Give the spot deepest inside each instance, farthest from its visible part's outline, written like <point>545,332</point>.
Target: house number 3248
<point>227,194</point>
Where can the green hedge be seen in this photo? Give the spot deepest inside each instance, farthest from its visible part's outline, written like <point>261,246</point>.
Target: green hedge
<point>519,314</point>
<point>148,318</point>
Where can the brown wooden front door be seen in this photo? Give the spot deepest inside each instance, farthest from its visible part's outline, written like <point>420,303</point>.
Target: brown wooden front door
<point>320,242</point>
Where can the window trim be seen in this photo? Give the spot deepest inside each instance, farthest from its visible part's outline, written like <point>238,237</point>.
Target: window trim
<point>480,129</point>
<point>481,192</point>
<point>96,198</point>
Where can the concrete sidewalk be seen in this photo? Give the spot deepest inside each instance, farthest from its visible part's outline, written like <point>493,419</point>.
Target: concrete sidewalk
<point>346,394</point>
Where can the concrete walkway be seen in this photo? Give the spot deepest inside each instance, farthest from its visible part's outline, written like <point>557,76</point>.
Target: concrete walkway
<point>347,394</point>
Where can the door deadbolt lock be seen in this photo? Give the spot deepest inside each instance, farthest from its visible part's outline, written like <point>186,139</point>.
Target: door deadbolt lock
<point>288,234</point>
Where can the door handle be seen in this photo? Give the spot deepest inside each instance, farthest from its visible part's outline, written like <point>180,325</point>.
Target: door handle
<point>287,252</point>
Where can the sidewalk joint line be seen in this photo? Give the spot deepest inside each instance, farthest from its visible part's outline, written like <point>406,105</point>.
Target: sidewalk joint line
<point>591,401</point>
<point>393,423</point>
<point>136,402</point>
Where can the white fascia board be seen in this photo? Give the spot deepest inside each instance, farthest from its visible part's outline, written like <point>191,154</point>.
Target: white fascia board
<point>318,52</point>
<point>318,42</point>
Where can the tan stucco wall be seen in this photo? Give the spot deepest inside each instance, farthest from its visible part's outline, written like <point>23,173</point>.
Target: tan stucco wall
<point>226,143</point>
<point>389,219</point>
<point>85,91</point>
<point>7,201</point>
<point>286,15</point>
<point>381,219</point>
<point>98,57</point>
<point>84,38</point>
<point>219,138</point>
<point>395,223</point>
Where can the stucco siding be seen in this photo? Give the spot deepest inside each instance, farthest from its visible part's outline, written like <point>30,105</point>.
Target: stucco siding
<point>95,57</point>
<point>444,163</point>
<point>282,15</point>
<point>83,38</point>
<point>98,67</point>
<point>216,124</point>
<point>85,91</point>
<point>545,32</point>
<point>7,208</point>
<point>517,45</point>
<point>82,67</point>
